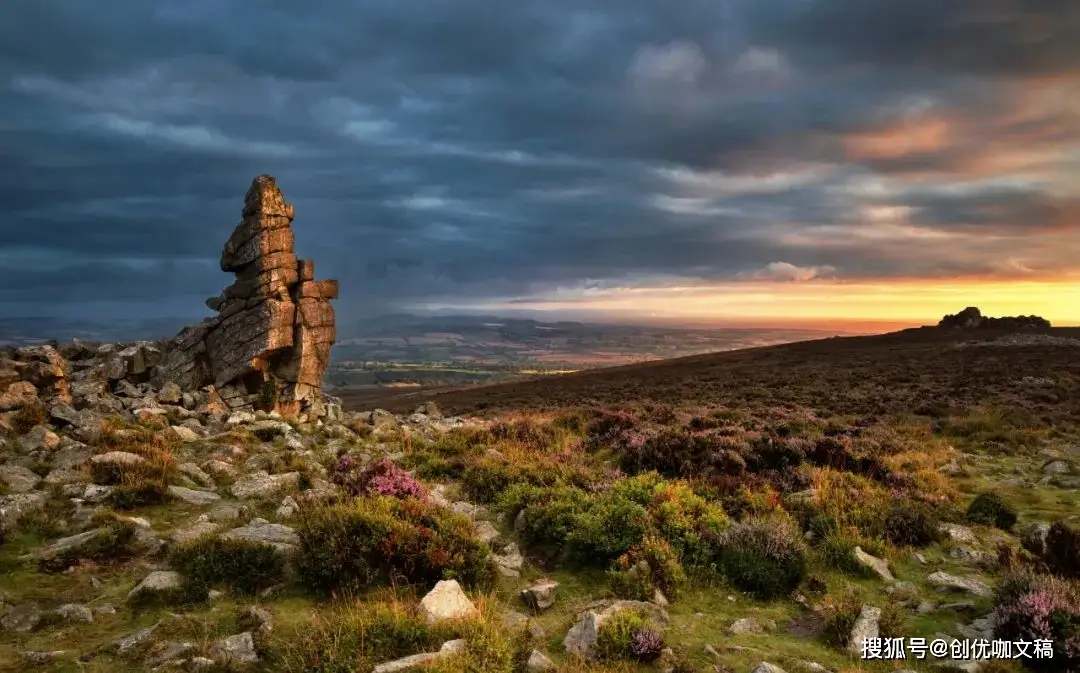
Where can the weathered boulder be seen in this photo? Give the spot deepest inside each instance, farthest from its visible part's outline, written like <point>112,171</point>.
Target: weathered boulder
<point>446,601</point>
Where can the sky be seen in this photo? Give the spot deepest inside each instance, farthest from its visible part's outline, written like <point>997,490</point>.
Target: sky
<point>735,161</point>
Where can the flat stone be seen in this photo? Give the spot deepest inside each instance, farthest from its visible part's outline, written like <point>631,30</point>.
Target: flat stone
<point>194,497</point>
<point>74,612</point>
<point>167,652</point>
<point>238,649</point>
<point>414,661</point>
<point>22,618</point>
<point>130,642</point>
<point>968,584</point>
<point>156,582</point>
<point>880,567</point>
<point>541,595</point>
<point>18,479</point>
<point>539,662</point>
<point>260,484</point>
<point>194,531</point>
<point>260,530</point>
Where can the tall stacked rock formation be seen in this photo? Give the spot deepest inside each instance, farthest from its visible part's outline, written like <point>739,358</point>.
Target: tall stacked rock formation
<point>269,345</point>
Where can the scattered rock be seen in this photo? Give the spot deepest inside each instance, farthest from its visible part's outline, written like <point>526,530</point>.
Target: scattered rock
<point>163,653</point>
<point>968,584</point>
<point>415,661</point>
<point>750,626</point>
<point>73,612</point>
<point>509,563</point>
<point>486,531</point>
<point>541,595</point>
<point>260,530</point>
<point>1056,467</point>
<point>238,649</point>
<point>194,497</point>
<point>18,479</point>
<point>765,667</point>
<point>865,627</point>
<point>260,484</point>
<point>539,662</point>
<point>157,582</point>
<point>879,566</point>
<point>22,618</point>
<point>130,642</point>
<point>958,533</point>
<point>446,601</point>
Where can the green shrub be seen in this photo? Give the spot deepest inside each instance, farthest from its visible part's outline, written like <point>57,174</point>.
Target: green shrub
<point>114,544</point>
<point>489,648</point>
<point>142,493</point>
<point>911,524</point>
<point>764,557</point>
<point>354,637</point>
<point>383,540</point>
<point>614,638</point>
<point>29,417</point>
<point>692,525</point>
<point>245,566</point>
<point>549,515</point>
<point>1062,554</point>
<point>607,529</point>
<point>651,565</point>
<point>840,616</point>
<point>838,551</point>
<point>991,509</point>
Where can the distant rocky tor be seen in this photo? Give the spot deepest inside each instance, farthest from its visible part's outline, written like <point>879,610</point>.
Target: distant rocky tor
<point>267,349</point>
<point>972,318</point>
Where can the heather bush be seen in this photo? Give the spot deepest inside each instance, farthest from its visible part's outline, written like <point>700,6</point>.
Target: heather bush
<point>379,478</point>
<point>911,524</point>
<point>1062,553</point>
<point>765,557</point>
<point>383,539</point>
<point>648,566</point>
<point>142,493</point>
<point>1030,608</point>
<point>616,635</point>
<point>991,509</point>
<point>646,645</point>
<point>244,566</point>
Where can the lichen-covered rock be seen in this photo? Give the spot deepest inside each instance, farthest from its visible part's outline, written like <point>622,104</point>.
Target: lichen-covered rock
<point>238,649</point>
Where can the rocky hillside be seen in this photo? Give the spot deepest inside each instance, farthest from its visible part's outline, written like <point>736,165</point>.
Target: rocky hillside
<point>151,528</point>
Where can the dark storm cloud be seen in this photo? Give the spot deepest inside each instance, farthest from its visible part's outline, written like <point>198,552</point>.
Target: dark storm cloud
<point>458,149</point>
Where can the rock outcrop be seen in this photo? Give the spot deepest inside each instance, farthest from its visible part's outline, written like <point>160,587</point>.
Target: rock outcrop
<point>972,318</point>
<point>269,345</point>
